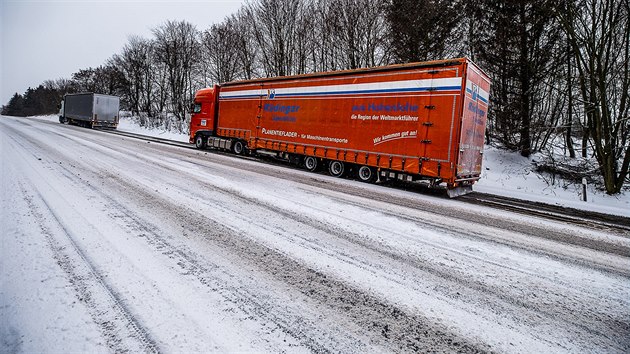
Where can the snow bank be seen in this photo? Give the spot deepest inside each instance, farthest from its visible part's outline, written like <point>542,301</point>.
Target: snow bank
<point>129,125</point>
<point>510,174</point>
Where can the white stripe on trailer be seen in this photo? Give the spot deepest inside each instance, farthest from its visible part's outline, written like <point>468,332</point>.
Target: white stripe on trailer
<point>350,89</point>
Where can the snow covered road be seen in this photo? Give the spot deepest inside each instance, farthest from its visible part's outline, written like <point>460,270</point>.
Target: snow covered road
<point>114,244</point>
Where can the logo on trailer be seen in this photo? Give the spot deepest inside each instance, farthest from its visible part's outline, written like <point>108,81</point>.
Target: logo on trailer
<point>475,92</point>
<point>271,94</point>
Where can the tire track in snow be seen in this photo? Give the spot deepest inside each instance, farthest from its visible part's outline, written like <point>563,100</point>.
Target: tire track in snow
<point>121,330</point>
<point>80,172</point>
<point>615,325</point>
<point>499,299</point>
<point>569,258</point>
<point>214,276</point>
<point>388,324</point>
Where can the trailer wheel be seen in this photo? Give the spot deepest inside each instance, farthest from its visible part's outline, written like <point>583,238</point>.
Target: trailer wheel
<point>200,142</point>
<point>311,163</point>
<point>238,147</point>
<point>366,174</point>
<point>336,168</point>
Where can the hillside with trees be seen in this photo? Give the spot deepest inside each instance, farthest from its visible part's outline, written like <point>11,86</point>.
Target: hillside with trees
<point>560,69</point>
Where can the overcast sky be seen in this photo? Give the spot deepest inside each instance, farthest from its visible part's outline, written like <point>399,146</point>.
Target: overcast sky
<point>51,39</point>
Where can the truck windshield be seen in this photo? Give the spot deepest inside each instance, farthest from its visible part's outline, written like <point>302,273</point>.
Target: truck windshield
<point>197,108</point>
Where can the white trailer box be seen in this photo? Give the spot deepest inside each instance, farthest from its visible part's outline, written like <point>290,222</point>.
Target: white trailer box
<point>90,110</point>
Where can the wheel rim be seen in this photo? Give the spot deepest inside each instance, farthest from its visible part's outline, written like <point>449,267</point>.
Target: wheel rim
<point>365,173</point>
<point>310,163</point>
<point>336,168</point>
<point>199,142</point>
<point>238,147</point>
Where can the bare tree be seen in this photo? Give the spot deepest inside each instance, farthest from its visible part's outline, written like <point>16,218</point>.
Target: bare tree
<point>177,47</point>
<point>422,29</point>
<point>322,37</point>
<point>105,79</point>
<point>359,32</point>
<point>245,43</point>
<point>221,51</point>
<point>61,85</point>
<point>136,63</point>
<point>85,80</point>
<point>599,34</point>
<point>303,41</point>
<point>275,24</point>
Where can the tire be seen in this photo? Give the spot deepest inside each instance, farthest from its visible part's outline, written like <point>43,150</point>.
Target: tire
<point>366,174</point>
<point>311,163</point>
<point>238,147</point>
<point>336,168</point>
<point>200,142</point>
<point>62,120</point>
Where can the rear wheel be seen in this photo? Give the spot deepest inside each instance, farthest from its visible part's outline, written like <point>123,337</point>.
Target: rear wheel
<point>311,163</point>
<point>366,174</point>
<point>200,142</point>
<point>238,147</point>
<point>336,168</point>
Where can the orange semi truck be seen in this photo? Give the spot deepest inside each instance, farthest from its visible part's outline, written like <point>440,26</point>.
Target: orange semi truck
<point>413,122</point>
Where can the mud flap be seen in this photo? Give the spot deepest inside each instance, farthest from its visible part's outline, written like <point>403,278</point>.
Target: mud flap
<point>459,191</point>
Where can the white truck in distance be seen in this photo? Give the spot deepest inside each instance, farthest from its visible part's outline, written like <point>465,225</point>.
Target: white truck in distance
<point>90,110</point>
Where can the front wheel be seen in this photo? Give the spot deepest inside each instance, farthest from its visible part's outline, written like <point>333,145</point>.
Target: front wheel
<point>200,142</point>
<point>336,168</point>
<point>238,147</point>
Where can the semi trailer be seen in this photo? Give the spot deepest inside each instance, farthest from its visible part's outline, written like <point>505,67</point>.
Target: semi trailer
<point>411,122</point>
<point>90,110</point>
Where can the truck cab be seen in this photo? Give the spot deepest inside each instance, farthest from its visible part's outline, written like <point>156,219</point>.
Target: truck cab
<point>203,116</point>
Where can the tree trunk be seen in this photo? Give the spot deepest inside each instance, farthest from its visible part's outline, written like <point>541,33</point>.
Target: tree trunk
<point>525,143</point>
<point>569,139</point>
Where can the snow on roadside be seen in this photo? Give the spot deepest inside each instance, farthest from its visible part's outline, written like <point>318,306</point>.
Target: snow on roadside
<point>504,173</point>
<point>510,174</point>
<point>129,125</point>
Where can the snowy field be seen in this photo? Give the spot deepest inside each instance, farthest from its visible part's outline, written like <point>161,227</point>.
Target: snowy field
<point>112,244</point>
